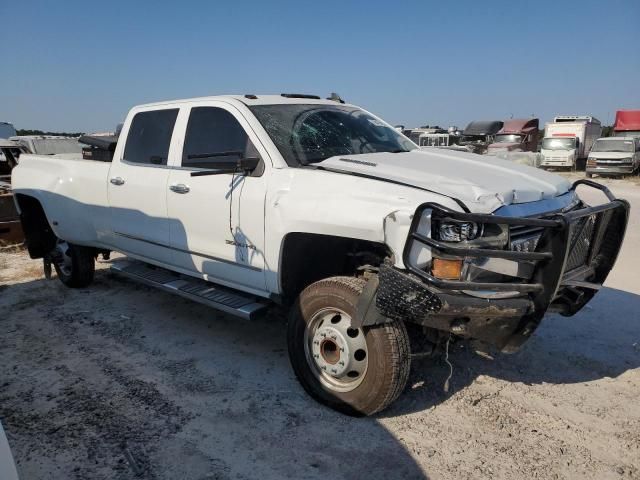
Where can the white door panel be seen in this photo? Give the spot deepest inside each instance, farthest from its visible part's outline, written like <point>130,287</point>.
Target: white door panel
<point>200,231</point>
<point>138,209</point>
<point>138,185</point>
<point>217,230</point>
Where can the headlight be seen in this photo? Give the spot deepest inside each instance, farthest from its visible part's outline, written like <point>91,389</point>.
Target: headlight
<point>627,160</point>
<point>451,231</point>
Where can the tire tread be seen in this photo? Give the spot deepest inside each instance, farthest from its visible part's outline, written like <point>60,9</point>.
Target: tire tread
<point>396,352</point>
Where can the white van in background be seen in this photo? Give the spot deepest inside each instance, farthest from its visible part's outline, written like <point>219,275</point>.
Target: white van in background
<point>614,156</point>
<point>568,140</point>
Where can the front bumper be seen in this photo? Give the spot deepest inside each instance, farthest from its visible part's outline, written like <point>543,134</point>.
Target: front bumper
<point>620,169</point>
<point>556,161</point>
<point>576,251</point>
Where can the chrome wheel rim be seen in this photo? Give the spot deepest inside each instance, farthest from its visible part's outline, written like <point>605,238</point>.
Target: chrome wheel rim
<point>336,353</point>
<point>61,258</point>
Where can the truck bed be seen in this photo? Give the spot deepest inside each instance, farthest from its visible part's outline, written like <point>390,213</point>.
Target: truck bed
<point>72,191</point>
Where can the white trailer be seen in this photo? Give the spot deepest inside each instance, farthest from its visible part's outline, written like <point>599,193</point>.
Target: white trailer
<point>568,140</point>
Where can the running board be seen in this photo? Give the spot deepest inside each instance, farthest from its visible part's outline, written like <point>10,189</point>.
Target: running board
<point>222,298</point>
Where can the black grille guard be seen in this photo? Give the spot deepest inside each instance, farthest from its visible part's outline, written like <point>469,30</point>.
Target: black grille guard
<point>565,256</point>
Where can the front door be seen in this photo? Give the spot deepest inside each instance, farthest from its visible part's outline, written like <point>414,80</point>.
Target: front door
<point>217,221</point>
<point>138,187</point>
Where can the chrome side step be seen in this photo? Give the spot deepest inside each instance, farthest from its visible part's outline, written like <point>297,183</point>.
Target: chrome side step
<point>222,298</point>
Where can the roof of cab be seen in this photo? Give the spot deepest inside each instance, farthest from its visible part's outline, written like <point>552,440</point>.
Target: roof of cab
<point>248,99</point>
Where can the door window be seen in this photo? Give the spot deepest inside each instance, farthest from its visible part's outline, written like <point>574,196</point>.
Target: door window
<point>214,137</point>
<point>149,137</point>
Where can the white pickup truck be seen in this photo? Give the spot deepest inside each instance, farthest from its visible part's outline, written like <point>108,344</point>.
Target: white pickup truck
<point>243,202</point>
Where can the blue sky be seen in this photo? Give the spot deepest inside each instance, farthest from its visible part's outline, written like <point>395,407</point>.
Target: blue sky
<point>81,65</point>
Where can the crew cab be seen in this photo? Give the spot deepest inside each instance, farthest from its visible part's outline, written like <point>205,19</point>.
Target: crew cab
<point>246,202</point>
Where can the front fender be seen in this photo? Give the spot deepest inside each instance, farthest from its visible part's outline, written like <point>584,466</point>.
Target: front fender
<point>328,203</point>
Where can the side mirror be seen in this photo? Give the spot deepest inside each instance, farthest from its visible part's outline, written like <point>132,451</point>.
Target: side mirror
<point>248,164</point>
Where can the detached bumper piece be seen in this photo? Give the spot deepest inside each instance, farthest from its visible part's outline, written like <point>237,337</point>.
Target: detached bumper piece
<point>573,253</point>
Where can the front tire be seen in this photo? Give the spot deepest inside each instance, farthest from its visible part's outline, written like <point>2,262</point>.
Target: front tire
<point>75,265</point>
<point>355,371</point>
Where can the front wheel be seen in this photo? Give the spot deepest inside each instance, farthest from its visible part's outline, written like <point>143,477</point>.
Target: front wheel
<point>75,265</point>
<point>358,371</point>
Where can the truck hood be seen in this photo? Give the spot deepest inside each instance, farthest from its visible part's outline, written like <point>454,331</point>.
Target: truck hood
<point>483,183</point>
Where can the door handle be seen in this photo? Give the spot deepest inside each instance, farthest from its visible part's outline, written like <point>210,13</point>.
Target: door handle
<point>179,188</point>
<point>117,181</point>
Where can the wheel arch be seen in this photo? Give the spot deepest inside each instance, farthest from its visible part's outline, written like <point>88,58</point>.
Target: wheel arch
<point>39,235</point>
<point>308,257</point>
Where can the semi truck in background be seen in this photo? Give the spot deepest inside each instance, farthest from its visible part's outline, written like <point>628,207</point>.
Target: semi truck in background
<point>568,140</point>
<point>627,123</point>
<point>477,136</point>
<point>517,135</point>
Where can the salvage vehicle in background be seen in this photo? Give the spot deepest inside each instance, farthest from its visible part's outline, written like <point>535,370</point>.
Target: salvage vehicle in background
<point>48,144</point>
<point>614,156</point>
<point>442,139</point>
<point>477,136</point>
<point>10,225</point>
<point>627,123</point>
<point>568,140</point>
<point>7,130</point>
<point>246,202</point>
<point>517,135</point>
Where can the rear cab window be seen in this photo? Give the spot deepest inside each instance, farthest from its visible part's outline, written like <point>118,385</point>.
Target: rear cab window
<point>149,137</point>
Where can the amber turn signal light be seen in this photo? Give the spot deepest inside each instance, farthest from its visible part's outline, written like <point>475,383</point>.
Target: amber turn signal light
<point>446,269</point>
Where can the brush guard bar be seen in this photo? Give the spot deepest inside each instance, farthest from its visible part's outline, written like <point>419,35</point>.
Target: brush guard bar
<point>565,238</point>
<point>573,256</point>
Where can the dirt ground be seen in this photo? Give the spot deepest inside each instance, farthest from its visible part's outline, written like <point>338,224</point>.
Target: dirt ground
<point>120,381</point>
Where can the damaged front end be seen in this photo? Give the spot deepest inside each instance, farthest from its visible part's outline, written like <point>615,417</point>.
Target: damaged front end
<point>492,277</point>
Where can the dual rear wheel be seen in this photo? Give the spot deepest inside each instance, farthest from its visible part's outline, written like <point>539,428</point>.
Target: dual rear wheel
<point>75,265</point>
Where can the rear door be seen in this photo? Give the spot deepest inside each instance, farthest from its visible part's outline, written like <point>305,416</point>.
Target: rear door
<point>138,186</point>
<point>217,221</point>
